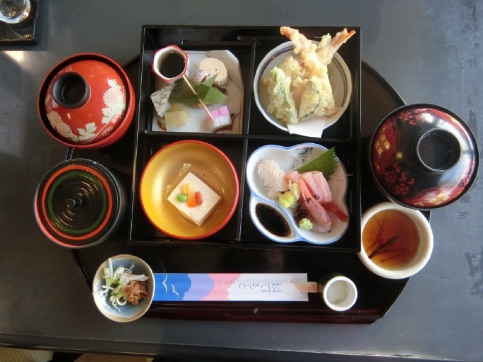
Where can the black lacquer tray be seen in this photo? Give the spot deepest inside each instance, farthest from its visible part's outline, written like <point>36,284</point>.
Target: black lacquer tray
<point>240,248</point>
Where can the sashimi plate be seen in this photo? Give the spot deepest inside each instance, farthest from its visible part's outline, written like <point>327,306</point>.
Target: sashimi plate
<point>291,158</point>
<point>234,93</point>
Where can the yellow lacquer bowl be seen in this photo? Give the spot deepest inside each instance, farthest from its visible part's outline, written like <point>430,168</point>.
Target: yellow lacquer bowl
<point>166,169</point>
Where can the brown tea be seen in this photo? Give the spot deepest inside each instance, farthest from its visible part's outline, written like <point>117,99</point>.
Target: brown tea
<point>390,239</point>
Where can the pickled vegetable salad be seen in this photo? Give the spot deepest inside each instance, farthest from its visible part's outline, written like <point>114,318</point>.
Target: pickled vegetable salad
<point>115,282</point>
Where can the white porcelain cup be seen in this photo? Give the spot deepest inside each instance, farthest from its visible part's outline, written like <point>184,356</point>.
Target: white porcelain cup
<point>338,292</point>
<point>395,245</point>
<point>14,11</point>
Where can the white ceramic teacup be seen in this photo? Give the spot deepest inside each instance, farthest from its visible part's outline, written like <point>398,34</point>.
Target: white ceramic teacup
<point>396,242</point>
<point>338,292</point>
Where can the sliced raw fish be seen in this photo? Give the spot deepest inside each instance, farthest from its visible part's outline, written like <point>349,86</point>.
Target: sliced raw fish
<point>326,194</point>
<point>317,185</point>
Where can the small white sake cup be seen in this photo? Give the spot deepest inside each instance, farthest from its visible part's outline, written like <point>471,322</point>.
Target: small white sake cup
<point>338,292</point>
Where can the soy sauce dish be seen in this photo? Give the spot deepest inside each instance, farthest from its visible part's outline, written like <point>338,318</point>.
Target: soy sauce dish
<point>279,223</point>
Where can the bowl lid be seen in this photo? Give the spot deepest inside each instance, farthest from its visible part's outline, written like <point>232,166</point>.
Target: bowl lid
<point>424,156</point>
<point>78,203</point>
<point>84,98</point>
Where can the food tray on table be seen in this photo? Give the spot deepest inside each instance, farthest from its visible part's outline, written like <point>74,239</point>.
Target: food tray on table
<point>239,247</point>
<point>249,132</point>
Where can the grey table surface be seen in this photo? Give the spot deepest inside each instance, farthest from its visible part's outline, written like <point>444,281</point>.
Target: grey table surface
<point>430,51</point>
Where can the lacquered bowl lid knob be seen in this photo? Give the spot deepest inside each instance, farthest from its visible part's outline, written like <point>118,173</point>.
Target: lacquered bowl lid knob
<point>71,90</point>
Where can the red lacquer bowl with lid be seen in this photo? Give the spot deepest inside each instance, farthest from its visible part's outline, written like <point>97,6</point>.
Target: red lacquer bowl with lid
<point>79,203</point>
<point>86,101</point>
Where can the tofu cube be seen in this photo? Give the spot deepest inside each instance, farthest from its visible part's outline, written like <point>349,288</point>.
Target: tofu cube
<point>197,214</point>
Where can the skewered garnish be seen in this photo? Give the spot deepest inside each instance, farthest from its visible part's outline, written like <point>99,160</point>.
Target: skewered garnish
<point>204,92</point>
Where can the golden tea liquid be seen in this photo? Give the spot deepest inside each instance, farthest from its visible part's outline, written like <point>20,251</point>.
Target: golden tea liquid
<point>390,239</point>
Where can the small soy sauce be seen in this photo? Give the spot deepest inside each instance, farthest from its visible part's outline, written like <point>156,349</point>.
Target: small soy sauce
<point>272,220</point>
<point>172,65</point>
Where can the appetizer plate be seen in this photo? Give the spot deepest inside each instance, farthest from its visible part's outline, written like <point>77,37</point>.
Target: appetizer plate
<point>127,312</point>
<point>340,79</point>
<point>165,170</point>
<point>234,93</point>
<point>290,158</point>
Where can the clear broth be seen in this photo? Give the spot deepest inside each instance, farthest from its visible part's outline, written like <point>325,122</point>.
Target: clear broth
<point>390,239</point>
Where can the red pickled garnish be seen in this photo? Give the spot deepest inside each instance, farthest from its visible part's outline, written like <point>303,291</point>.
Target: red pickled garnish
<point>198,198</point>
<point>191,202</point>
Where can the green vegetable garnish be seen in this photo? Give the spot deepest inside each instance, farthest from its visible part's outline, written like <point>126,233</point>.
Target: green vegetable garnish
<point>205,91</point>
<point>325,163</point>
<point>305,224</point>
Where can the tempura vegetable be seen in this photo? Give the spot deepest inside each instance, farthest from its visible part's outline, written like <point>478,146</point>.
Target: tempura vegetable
<point>281,102</point>
<point>299,87</point>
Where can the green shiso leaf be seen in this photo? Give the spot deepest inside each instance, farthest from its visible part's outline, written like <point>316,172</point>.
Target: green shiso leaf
<point>326,163</point>
<point>205,91</point>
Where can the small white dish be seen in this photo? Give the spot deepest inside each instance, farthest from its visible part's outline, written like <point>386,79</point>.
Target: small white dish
<point>234,93</point>
<point>340,79</point>
<point>127,312</point>
<point>290,158</point>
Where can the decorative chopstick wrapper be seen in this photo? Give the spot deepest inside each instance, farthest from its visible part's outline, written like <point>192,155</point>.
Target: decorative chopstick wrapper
<point>232,287</point>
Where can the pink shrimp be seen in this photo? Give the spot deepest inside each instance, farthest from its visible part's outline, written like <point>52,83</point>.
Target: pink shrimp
<point>315,57</point>
<point>340,38</point>
<point>301,44</point>
<point>316,211</point>
<point>328,46</point>
<point>305,48</point>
